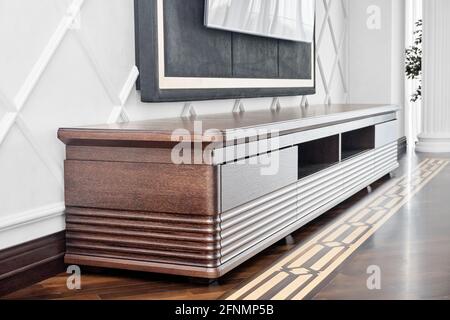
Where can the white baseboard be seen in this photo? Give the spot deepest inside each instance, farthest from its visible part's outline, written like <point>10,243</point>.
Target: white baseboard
<point>433,143</point>
<point>30,225</point>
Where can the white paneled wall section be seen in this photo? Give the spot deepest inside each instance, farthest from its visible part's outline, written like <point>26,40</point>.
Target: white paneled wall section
<point>71,62</point>
<point>377,53</point>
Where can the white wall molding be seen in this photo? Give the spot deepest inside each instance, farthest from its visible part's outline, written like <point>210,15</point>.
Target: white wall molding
<point>31,216</point>
<point>47,54</point>
<point>6,124</point>
<point>15,228</point>
<point>13,117</point>
<point>128,85</point>
<point>434,143</point>
<point>338,47</point>
<point>119,112</point>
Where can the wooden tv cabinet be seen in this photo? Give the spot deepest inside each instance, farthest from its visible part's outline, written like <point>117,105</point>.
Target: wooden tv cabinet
<point>130,207</point>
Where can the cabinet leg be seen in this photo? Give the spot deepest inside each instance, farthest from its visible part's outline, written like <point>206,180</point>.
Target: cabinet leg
<point>369,189</point>
<point>204,282</point>
<point>289,240</point>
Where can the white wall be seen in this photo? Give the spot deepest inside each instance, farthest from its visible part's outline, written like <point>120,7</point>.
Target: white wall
<point>52,76</point>
<point>376,71</point>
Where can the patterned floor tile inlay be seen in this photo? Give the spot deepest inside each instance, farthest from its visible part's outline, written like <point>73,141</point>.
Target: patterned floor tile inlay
<point>303,269</point>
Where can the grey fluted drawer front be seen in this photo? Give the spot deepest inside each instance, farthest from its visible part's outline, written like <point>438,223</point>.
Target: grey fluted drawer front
<point>254,178</point>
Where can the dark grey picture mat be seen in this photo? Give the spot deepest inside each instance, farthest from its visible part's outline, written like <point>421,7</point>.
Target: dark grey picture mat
<point>242,55</point>
<point>193,50</point>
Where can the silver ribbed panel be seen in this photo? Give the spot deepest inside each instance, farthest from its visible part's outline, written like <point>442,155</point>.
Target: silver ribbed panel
<point>314,194</point>
<point>245,226</point>
<point>260,222</point>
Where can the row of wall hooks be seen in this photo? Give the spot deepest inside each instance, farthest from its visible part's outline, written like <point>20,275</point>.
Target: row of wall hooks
<point>189,111</point>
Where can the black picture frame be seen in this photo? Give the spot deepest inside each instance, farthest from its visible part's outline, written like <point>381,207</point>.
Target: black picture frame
<point>188,15</point>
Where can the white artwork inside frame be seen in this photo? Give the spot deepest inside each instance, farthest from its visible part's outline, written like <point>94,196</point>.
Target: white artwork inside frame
<point>282,19</point>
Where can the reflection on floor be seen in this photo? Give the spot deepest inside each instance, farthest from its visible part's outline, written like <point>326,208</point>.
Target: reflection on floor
<point>391,244</point>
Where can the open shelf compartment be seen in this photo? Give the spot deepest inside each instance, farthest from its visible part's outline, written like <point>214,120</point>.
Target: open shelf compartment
<point>314,156</point>
<point>356,142</point>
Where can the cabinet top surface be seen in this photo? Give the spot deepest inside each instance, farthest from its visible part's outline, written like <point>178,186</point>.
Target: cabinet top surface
<point>225,126</point>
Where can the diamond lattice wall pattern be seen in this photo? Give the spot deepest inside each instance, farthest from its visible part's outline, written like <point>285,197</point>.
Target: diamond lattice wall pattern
<point>71,62</point>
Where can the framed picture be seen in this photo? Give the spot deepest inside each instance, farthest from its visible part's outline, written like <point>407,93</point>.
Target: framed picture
<point>180,59</point>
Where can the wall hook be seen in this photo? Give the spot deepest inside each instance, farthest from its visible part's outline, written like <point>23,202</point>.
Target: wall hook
<point>305,102</point>
<point>276,105</point>
<point>238,106</point>
<point>188,111</point>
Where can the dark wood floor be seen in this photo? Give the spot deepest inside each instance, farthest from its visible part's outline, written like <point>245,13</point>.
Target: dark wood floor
<point>412,249</point>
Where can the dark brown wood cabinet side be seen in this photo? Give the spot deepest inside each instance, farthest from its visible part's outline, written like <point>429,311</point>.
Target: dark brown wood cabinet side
<point>131,208</point>
<point>151,187</point>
